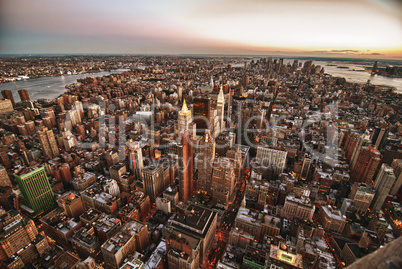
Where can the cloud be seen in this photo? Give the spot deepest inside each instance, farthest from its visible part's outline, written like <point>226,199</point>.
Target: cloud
<point>224,26</point>
<point>344,51</point>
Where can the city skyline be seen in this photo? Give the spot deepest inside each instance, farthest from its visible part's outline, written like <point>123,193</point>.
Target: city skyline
<point>358,28</point>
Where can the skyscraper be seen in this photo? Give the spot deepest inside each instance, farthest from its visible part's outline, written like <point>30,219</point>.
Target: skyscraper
<point>220,107</point>
<point>223,181</point>
<point>201,109</point>
<point>135,161</point>
<point>375,68</point>
<point>272,158</point>
<point>48,143</point>
<point>152,177</point>
<point>380,135</point>
<point>397,166</point>
<point>185,167</point>
<point>206,158</point>
<point>362,195</point>
<point>382,185</point>
<point>364,140</point>
<point>306,166</point>
<point>184,118</point>
<point>189,237</point>
<point>20,242</point>
<point>24,95</point>
<point>4,179</point>
<point>36,190</point>
<point>7,94</point>
<point>366,165</point>
<point>6,106</point>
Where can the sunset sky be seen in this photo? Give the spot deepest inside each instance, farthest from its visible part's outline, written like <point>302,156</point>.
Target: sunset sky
<point>357,28</point>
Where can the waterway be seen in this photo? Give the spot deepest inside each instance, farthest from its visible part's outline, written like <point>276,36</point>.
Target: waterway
<point>49,87</point>
<point>354,72</point>
<point>52,87</point>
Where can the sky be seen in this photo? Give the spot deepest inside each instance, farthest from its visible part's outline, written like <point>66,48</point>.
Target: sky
<point>352,28</point>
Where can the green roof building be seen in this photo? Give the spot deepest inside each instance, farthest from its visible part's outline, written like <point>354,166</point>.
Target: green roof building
<point>36,189</point>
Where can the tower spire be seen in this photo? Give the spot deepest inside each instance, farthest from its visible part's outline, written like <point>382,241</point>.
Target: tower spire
<point>220,96</point>
<point>184,109</point>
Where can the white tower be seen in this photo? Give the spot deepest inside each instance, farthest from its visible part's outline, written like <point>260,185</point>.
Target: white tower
<point>220,107</point>
<point>184,118</point>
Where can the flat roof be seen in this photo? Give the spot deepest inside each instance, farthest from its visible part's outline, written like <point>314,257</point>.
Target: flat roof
<point>198,220</point>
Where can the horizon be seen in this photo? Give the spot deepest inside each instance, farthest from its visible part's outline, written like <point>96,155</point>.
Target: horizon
<point>274,56</point>
<point>308,28</point>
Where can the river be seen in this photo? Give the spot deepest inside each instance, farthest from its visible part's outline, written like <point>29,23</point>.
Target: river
<point>52,87</point>
<point>354,72</point>
<point>49,87</point>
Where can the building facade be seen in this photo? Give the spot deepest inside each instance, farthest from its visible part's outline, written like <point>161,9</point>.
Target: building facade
<point>36,189</point>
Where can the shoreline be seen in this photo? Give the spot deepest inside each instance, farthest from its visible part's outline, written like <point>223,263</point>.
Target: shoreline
<point>58,75</point>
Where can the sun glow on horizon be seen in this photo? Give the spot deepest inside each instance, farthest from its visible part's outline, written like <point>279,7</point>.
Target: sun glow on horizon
<point>223,26</point>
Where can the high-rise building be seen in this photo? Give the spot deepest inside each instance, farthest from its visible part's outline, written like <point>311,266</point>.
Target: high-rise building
<point>362,195</point>
<point>152,177</point>
<point>7,94</point>
<point>5,160</point>
<point>86,242</point>
<point>4,178</point>
<point>184,119</point>
<point>220,107</point>
<point>48,143</point>
<point>201,110</point>
<point>332,219</point>
<point>374,70</point>
<point>37,193</point>
<point>363,140</point>
<point>20,242</point>
<point>366,165</point>
<point>30,126</point>
<point>235,157</point>
<point>133,236</point>
<point>24,95</point>
<point>298,208</point>
<point>382,185</point>
<point>189,237</point>
<point>306,166</point>
<point>185,168</point>
<point>72,204</point>
<point>6,106</point>
<point>205,161</point>
<point>397,166</point>
<point>223,181</point>
<point>349,142</point>
<point>380,135</point>
<point>281,256</point>
<point>135,161</point>
<point>272,158</point>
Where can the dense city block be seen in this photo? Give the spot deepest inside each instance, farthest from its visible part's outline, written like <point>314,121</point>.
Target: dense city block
<point>197,162</point>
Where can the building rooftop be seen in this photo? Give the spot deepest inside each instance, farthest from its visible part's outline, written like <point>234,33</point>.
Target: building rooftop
<point>67,198</point>
<point>67,260</point>
<point>26,170</point>
<point>97,193</point>
<point>170,191</point>
<point>272,221</point>
<point>123,236</point>
<point>90,214</point>
<point>197,219</point>
<point>59,221</point>
<point>156,256</point>
<point>249,216</point>
<point>105,223</point>
<point>86,237</point>
<point>333,213</point>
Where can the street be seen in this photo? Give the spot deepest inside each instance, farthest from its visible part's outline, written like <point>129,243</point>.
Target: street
<point>227,222</point>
